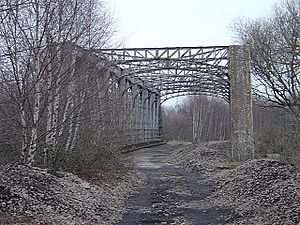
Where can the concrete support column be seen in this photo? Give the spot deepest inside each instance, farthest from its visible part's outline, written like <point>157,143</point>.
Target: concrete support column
<point>241,103</point>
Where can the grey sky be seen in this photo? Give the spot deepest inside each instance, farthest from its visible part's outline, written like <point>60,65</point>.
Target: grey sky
<point>162,23</point>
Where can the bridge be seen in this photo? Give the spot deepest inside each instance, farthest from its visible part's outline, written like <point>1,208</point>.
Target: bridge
<point>146,77</point>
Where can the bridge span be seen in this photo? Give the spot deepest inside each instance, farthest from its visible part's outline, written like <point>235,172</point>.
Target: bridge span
<point>146,77</point>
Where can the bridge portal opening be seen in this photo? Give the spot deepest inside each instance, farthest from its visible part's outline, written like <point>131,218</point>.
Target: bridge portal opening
<point>150,76</point>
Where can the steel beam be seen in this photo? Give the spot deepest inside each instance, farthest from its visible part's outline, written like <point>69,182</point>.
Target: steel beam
<point>222,71</point>
<point>165,67</point>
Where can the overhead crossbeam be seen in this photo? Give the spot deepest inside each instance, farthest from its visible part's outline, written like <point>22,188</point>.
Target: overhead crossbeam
<point>174,70</point>
<point>157,74</point>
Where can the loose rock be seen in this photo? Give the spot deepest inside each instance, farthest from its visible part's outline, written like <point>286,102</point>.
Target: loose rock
<point>266,191</point>
<point>35,196</point>
<point>263,191</point>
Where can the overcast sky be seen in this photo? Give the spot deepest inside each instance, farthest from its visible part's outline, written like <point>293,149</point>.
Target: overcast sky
<point>175,23</point>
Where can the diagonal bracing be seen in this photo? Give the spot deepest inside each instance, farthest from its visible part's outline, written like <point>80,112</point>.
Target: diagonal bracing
<point>152,75</point>
<point>175,71</point>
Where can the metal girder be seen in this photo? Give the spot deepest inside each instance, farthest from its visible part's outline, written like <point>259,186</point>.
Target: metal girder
<point>157,74</point>
<point>175,70</point>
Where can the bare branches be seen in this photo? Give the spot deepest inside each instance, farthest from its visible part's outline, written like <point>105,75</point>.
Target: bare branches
<point>275,54</point>
<point>39,58</point>
<point>198,118</point>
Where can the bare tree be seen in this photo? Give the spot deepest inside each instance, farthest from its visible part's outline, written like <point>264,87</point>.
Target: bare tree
<point>198,118</point>
<point>210,118</point>
<point>275,54</point>
<point>41,43</point>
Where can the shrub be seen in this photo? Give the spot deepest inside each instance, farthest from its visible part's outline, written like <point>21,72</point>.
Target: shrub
<point>280,140</point>
<point>95,165</point>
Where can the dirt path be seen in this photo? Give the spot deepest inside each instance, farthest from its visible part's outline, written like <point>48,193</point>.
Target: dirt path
<point>172,194</point>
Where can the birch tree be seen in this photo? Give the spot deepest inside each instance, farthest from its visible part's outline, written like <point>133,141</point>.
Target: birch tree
<point>210,118</point>
<point>38,60</point>
<point>198,118</point>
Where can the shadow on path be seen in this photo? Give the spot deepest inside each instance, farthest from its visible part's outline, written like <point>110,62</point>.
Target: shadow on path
<point>172,194</point>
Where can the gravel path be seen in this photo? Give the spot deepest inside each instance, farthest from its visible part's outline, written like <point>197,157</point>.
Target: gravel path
<point>172,194</point>
<point>262,191</point>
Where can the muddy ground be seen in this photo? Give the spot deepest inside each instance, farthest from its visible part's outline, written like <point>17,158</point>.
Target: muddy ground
<point>172,194</point>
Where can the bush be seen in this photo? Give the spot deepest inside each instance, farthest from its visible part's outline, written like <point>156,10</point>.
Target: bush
<point>97,166</point>
<point>9,153</point>
<point>94,165</point>
<point>280,140</point>
<point>271,140</point>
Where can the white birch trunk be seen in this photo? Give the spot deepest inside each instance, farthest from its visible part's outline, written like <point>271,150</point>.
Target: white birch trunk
<point>37,94</point>
<point>49,113</point>
<point>71,100</point>
<point>195,125</point>
<point>71,123</point>
<point>77,124</point>
<point>56,104</point>
<point>65,117</point>
<point>24,130</point>
<point>36,115</point>
<point>209,112</point>
<point>202,116</point>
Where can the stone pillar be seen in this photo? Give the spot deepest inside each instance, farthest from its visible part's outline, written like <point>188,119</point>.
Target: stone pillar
<point>242,142</point>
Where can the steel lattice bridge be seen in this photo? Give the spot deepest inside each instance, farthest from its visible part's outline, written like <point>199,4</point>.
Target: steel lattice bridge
<point>149,76</point>
<point>176,71</point>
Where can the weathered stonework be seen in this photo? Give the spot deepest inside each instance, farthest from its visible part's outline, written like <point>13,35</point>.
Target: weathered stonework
<point>240,103</point>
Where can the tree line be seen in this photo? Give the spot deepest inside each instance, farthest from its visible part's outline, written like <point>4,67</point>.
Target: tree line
<point>197,118</point>
<point>55,97</point>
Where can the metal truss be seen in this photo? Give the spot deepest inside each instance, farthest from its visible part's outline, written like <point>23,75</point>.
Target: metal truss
<point>175,71</point>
